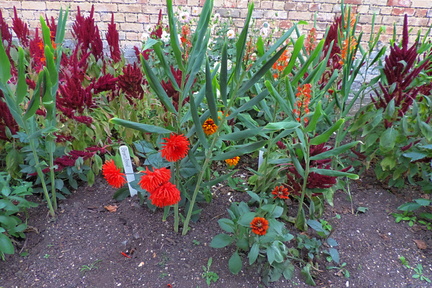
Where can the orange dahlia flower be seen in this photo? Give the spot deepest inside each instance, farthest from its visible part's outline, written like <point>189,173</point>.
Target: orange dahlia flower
<point>280,192</point>
<point>209,127</point>
<point>113,175</point>
<point>151,180</point>
<point>166,194</point>
<point>259,225</point>
<point>175,148</point>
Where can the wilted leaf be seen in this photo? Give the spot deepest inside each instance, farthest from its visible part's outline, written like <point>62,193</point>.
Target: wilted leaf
<point>421,244</point>
<point>111,208</point>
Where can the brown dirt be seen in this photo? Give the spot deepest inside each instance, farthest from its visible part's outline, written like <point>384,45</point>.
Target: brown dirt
<point>370,244</point>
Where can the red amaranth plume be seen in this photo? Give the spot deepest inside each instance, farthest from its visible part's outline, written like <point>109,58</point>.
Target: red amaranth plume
<point>112,37</point>
<point>6,120</point>
<point>335,52</point>
<point>52,26</point>
<point>5,33</point>
<point>130,82</point>
<point>21,30</point>
<point>155,34</point>
<point>87,34</point>
<point>400,71</point>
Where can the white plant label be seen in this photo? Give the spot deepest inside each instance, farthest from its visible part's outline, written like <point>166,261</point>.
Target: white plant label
<point>127,165</point>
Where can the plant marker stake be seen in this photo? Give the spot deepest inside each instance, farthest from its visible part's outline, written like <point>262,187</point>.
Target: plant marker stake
<point>127,165</point>
<point>260,158</point>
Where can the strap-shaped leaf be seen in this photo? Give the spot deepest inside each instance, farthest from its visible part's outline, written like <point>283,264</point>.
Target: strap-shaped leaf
<point>157,87</point>
<point>240,150</point>
<point>326,134</point>
<point>211,101</point>
<point>5,65</point>
<point>21,90</point>
<point>224,74</point>
<point>240,135</point>
<point>35,100</point>
<point>140,126</point>
<point>160,54</point>
<point>306,65</point>
<point>315,117</point>
<point>249,104</point>
<point>334,173</point>
<point>197,123</point>
<point>241,42</point>
<point>174,42</point>
<point>334,152</point>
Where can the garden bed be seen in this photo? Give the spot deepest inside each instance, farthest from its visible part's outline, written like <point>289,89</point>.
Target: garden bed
<point>82,248</point>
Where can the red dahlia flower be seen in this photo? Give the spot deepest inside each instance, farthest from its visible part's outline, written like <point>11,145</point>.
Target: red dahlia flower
<point>166,194</point>
<point>151,180</point>
<point>113,175</point>
<point>175,148</point>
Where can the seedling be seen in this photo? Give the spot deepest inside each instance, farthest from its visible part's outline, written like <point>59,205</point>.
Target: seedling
<point>92,266</point>
<point>418,270</point>
<point>196,242</point>
<point>46,256</point>
<point>208,275</point>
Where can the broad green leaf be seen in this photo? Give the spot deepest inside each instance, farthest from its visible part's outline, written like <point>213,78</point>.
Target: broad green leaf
<point>146,128</point>
<point>240,150</point>
<point>414,156</point>
<point>317,226</point>
<point>221,240</point>
<point>285,125</point>
<point>325,136</point>
<point>235,263</point>
<point>334,173</point>
<point>288,273</point>
<point>334,254</point>
<point>6,245</point>
<point>334,152</point>
<point>388,139</point>
<point>253,253</point>
<point>388,163</point>
<point>409,207</point>
<point>227,225</point>
<point>246,218</point>
<point>306,273</point>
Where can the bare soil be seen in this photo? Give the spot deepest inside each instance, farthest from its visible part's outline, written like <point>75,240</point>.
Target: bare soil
<point>61,253</point>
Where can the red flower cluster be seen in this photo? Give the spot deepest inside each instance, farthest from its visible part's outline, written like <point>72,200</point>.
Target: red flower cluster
<point>87,34</point>
<point>310,42</point>
<point>162,192</point>
<point>112,37</point>
<point>131,82</point>
<point>175,148</point>
<point>259,225</point>
<point>303,97</point>
<point>113,174</point>
<point>281,63</point>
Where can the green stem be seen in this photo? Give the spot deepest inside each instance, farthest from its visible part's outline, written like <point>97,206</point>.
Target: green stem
<point>306,175</point>
<point>176,206</point>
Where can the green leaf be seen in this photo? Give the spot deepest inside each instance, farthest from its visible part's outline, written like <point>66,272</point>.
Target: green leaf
<point>414,156</point>
<point>235,263</point>
<point>306,273</point>
<point>334,254</point>
<point>175,45</point>
<point>253,253</point>
<point>317,226</point>
<point>21,90</point>
<point>240,150</point>
<point>6,245</point>
<point>282,125</point>
<point>197,122</point>
<point>409,207</point>
<point>288,273</point>
<point>315,117</point>
<point>146,128</point>
<point>246,218</point>
<point>240,135</point>
<point>388,139</point>
<point>334,173</point>
<point>5,65</point>
<point>157,87</point>
<point>227,225</point>
<point>221,240</point>
<point>334,152</point>
<point>325,136</point>
<point>241,42</point>
<point>211,101</point>
<point>121,193</point>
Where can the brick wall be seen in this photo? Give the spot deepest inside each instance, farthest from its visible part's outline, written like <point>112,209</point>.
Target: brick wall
<point>133,18</point>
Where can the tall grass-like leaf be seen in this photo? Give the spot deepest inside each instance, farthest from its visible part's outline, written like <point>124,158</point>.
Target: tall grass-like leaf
<point>140,126</point>
<point>175,45</point>
<point>157,87</point>
<point>241,42</point>
<point>209,95</point>
<point>299,75</point>
<point>326,134</point>
<point>240,150</point>
<point>223,82</point>
<point>197,123</point>
<point>334,173</point>
<point>249,104</point>
<point>167,69</point>
<point>21,90</point>
<point>5,65</point>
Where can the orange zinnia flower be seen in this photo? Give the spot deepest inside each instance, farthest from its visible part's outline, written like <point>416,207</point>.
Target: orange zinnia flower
<point>232,161</point>
<point>113,175</point>
<point>175,148</point>
<point>209,127</point>
<point>166,194</point>
<point>280,192</point>
<point>259,225</point>
<point>151,180</point>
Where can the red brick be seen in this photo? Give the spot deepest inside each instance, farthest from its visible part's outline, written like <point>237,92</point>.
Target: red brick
<point>353,1</point>
<point>402,11</point>
<point>402,3</point>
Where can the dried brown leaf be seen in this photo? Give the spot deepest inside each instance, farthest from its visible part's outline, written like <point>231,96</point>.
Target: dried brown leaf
<point>421,244</point>
<point>111,208</point>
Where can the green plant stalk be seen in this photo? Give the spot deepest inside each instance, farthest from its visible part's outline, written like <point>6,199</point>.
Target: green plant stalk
<point>176,206</point>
